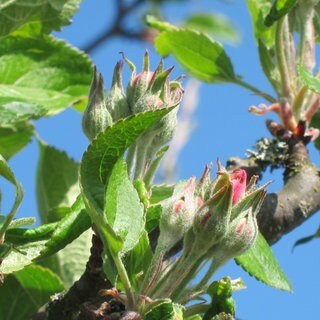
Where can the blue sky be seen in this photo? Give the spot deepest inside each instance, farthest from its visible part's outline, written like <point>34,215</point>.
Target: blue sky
<point>224,128</point>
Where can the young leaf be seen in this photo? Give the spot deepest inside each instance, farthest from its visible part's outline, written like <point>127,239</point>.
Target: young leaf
<point>138,260</point>
<point>22,256</point>
<point>99,160</point>
<point>279,9</point>
<point>153,217</point>
<point>70,262</point>
<point>308,79</point>
<point>259,9</point>
<point>218,25</point>
<point>18,236</point>
<point>160,309</point>
<point>221,298</point>
<point>57,180</point>
<point>15,138</point>
<point>36,17</point>
<point>23,293</point>
<point>43,72</point>
<point>124,212</point>
<point>155,23</point>
<point>307,239</point>
<point>260,263</point>
<point>67,229</point>
<point>161,192</point>
<point>199,55</point>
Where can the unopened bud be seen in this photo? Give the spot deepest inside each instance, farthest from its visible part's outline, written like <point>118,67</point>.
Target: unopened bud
<point>177,214</point>
<point>96,117</point>
<point>116,100</point>
<point>241,236</point>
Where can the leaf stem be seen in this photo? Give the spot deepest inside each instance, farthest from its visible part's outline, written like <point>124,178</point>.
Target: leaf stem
<point>131,157</point>
<point>255,90</point>
<point>281,58</point>
<point>125,279</point>
<point>10,216</point>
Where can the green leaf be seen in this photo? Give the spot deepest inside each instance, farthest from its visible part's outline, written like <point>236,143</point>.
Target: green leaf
<point>160,25</point>
<point>308,79</point>
<point>70,262</point>
<point>260,263</point>
<point>38,243</point>
<point>15,138</point>
<point>153,217</point>
<point>221,298</point>
<point>16,112</point>
<point>160,309</point>
<point>36,17</point>
<point>161,192</point>
<point>124,211</point>
<point>22,256</point>
<point>23,293</point>
<point>216,24</point>
<point>57,180</point>
<point>279,9</point>
<point>138,260</point>
<point>199,55</point>
<point>67,229</point>
<point>259,9</point>
<point>18,236</point>
<point>99,160</point>
<point>41,75</point>
<point>307,239</point>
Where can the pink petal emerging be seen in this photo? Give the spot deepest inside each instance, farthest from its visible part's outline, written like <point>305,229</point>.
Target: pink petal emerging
<point>239,181</point>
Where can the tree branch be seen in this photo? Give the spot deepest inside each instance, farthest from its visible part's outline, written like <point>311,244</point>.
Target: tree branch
<point>117,27</point>
<point>87,287</point>
<point>299,198</point>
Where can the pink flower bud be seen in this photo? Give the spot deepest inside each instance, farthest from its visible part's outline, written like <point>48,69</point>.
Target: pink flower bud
<point>178,206</point>
<point>238,181</point>
<point>146,76</point>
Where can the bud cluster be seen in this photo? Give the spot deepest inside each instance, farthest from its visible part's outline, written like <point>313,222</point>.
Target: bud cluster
<point>146,91</point>
<point>215,219</point>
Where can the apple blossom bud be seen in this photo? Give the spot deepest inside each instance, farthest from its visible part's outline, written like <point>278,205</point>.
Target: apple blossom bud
<point>177,214</point>
<point>241,235</point>
<point>238,181</point>
<point>116,100</point>
<point>96,117</point>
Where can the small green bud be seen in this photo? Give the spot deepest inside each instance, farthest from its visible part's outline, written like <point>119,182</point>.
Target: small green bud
<point>116,100</point>
<point>241,236</point>
<point>212,220</point>
<point>152,90</point>
<point>177,214</point>
<point>96,117</point>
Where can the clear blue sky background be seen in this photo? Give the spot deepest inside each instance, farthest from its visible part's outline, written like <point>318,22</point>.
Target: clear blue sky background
<point>224,129</point>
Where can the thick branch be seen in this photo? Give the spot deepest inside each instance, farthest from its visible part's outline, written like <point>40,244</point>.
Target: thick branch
<point>86,288</point>
<point>296,202</point>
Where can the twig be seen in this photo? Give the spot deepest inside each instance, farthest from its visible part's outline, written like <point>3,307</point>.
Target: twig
<point>117,27</point>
